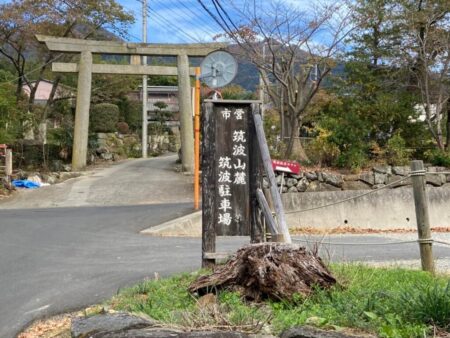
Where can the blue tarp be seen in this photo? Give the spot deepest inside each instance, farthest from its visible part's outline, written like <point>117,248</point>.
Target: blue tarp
<point>25,184</point>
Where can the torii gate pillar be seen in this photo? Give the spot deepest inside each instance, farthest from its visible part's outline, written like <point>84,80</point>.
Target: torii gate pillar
<point>81,129</point>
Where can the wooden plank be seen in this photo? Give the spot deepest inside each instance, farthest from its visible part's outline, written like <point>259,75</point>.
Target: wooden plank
<point>208,184</point>
<point>255,179</point>
<point>217,255</point>
<point>267,212</point>
<point>264,149</point>
<point>62,67</point>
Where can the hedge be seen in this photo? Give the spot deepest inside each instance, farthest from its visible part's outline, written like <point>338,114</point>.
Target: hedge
<point>103,118</point>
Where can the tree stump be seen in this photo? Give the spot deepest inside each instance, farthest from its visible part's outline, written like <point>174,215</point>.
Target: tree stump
<point>268,270</point>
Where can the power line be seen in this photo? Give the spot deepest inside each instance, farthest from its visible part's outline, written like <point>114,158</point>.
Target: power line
<point>217,5</point>
<point>164,22</point>
<point>196,15</point>
<point>211,14</point>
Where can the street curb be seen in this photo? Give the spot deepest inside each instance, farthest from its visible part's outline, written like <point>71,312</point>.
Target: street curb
<point>185,226</point>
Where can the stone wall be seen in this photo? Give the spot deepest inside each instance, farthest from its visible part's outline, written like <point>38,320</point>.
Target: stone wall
<point>159,144</point>
<point>316,181</point>
<point>114,146</point>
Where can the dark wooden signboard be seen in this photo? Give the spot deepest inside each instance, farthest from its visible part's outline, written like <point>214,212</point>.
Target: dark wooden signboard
<point>230,167</point>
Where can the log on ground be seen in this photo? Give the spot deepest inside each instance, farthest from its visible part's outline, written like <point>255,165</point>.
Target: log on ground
<point>268,271</point>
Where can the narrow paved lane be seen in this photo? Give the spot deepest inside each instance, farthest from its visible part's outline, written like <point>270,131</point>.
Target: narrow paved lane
<point>132,182</point>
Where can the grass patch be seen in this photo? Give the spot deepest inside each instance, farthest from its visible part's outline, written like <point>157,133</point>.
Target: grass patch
<point>388,302</point>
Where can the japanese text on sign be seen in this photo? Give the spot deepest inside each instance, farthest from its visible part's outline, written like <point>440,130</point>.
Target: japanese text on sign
<point>232,165</point>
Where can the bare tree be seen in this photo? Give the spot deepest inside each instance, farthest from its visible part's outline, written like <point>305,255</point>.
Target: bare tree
<point>426,50</point>
<point>293,50</point>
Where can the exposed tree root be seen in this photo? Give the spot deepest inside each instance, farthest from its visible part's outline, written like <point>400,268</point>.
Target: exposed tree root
<point>268,270</point>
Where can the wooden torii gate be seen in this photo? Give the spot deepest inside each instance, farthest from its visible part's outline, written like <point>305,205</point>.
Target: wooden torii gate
<point>85,68</point>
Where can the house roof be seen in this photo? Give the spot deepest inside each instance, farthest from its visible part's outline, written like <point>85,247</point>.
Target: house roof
<point>161,89</point>
<point>44,90</point>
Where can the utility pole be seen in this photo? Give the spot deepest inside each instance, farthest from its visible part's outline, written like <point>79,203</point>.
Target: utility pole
<point>144,84</point>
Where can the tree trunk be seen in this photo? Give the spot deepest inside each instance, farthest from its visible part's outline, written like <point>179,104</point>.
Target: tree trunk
<point>19,88</point>
<point>33,90</point>
<point>268,271</point>
<point>293,133</point>
<point>440,139</point>
<point>294,147</point>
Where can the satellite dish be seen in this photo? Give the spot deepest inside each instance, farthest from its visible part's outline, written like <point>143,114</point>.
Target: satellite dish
<point>218,69</point>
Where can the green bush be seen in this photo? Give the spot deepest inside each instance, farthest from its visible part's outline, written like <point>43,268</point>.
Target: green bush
<point>104,118</point>
<point>438,157</point>
<point>396,151</point>
<point>348,133</point>
<point>130,112</point>
<point>10,124</point>
<point>354,158</point>
<point>321,151</point>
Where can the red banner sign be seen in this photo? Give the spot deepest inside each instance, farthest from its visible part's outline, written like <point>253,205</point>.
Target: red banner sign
<point>291,167</point>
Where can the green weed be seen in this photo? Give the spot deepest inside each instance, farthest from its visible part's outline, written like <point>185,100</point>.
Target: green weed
<point>388,302</point>
<point>427,302</point>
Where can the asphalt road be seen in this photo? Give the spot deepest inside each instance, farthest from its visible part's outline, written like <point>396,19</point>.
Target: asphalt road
<point>58,258</point>
<point>76,243</point>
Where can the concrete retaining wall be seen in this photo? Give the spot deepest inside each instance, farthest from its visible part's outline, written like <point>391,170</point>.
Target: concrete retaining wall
<point>384,209</point>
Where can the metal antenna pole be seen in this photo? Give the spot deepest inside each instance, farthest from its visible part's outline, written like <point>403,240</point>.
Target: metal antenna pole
<point>144,84</point>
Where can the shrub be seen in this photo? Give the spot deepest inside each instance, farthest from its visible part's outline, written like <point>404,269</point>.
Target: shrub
<point>321,151</point>
<point>236,92</point>
<point>160,105</point>
<point>130,112</point>
<point>354,158</point>
<point>122,127</point>
<point>348,134</point>
<point>438,157</point>
<point>104,118</point>
<point>10,124</point>
<point>396,151</point>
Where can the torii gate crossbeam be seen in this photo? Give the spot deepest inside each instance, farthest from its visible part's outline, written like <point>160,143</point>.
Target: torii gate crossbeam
<point>86,68</point>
